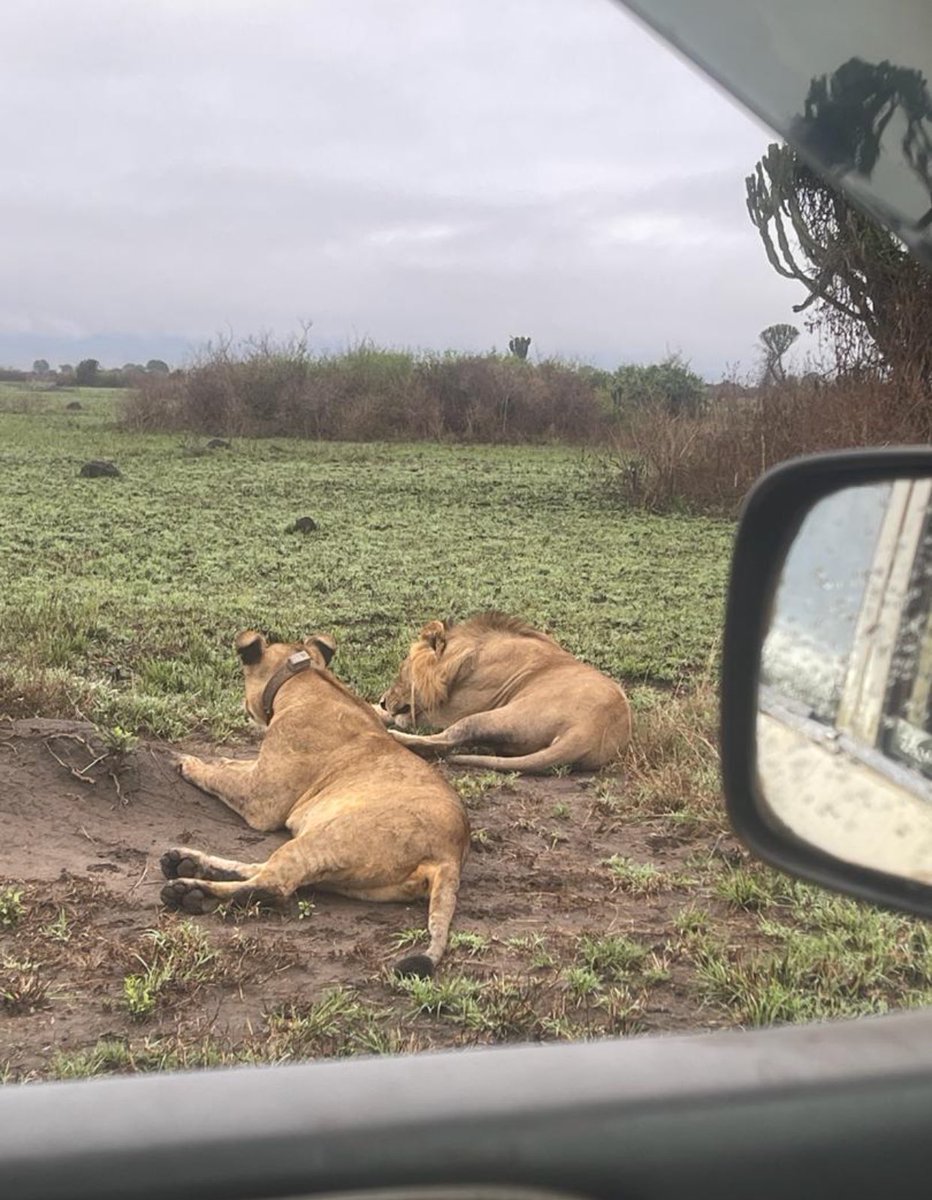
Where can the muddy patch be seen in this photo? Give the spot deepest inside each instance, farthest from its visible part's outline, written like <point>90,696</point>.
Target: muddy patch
<point>82,828</point>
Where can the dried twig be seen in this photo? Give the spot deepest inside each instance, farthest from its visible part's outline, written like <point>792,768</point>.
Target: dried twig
<point>145,872</point>
<point>81,773</point>
<point>68,767</point>
<point>116,783</point>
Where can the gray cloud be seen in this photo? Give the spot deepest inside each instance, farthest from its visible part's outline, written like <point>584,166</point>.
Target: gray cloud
<point>427,175</point>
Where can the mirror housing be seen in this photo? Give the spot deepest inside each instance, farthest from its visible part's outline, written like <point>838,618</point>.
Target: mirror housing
<point>771,518</point>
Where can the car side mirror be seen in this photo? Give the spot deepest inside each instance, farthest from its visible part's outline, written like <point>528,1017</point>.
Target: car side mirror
<point>826,717</point>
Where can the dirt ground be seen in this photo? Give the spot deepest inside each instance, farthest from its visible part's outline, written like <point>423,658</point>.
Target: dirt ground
<point>81,833</point>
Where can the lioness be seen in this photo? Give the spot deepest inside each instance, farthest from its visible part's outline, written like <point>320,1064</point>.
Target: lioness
<point>369,819</point>
<point>495,680</point>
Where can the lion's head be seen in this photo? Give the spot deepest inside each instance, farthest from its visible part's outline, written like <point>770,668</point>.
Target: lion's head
<point>262,659</point>
<point>423,680</point>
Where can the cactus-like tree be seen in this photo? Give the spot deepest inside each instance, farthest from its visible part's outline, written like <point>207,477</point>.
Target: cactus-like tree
<point>862,283</point>
<point>775,341</point>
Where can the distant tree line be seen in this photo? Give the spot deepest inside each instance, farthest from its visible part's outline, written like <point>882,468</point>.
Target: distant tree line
<point>88,373</point>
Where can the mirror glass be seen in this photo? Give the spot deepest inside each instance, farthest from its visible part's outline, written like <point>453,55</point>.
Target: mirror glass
<point>847,84</point>
<point>844,723</point>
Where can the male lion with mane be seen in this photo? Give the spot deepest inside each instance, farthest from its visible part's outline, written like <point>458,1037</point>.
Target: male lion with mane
<point>368,819</point>
<point>496,681</point>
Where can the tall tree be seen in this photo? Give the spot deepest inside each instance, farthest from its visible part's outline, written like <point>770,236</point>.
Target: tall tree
<point>775,341</point>
<point>85,374</point>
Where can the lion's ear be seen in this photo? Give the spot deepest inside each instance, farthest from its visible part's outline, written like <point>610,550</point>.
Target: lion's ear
<point>324,644</point>
<point>434,634</point>
<point>250,646</point>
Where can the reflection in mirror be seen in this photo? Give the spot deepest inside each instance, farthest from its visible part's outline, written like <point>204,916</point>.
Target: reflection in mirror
<point>844,727</point>
<point>848,86</point>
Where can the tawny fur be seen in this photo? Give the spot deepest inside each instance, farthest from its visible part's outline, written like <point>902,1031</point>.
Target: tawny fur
<point>496,681</point>
<point>368,819</point>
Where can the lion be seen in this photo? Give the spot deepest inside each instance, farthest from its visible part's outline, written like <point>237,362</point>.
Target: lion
<point>494,680</point>
<point>368,818</point>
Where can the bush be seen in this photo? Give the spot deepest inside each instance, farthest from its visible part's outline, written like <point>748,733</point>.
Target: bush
<point>707,464</point>
<point>115,379</point>
<point>669,386</point>
<point>368,394</point>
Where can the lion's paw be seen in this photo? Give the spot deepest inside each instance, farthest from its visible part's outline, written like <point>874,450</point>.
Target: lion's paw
<point>181,864</point>
<point>187,896</point>
<point>187,765</point>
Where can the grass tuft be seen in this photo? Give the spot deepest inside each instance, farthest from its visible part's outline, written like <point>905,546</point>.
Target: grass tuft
<point>12,908</point>
<point>176,958</point>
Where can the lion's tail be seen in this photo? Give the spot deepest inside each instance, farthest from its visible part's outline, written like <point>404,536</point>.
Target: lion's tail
<point>444,886</point>
<point>558,753</point>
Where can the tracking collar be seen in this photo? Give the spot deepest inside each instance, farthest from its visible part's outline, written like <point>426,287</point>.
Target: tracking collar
<point>293,665</point>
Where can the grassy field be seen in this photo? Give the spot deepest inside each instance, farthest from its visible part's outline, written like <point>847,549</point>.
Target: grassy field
<point>615,904</point>
<point>124,594</point>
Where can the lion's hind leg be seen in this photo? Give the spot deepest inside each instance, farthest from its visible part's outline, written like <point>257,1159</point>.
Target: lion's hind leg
<point>182,862</point>
<point>497,726</point>
<point>301,862</point>
<point>293,865</point>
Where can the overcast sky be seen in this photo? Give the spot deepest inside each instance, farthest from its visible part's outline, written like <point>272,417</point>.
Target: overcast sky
<point>426,173</point>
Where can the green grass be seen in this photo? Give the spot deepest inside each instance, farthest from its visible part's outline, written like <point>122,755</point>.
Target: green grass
<point>612,959</point>
<point>473,785</point>
<point>177,957</point>
<point>22,987</point>
<point>112,1056</point>
<point>692,920</point>
<point>58,930</point>
<point>337,1025</point>
<point>823,956</point>
<point>469,942</point>
<point>12,909</point>
<point>754,889</point>
<point>499,1008</point>
<point>122,595</point>
<point>639,879</point>
<point>535,946</point>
